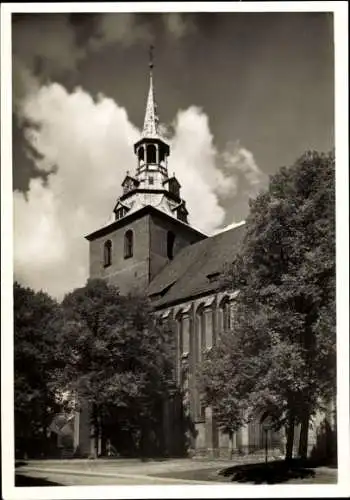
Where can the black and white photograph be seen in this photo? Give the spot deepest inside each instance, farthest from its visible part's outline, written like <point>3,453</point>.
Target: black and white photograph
<point>175,250</point>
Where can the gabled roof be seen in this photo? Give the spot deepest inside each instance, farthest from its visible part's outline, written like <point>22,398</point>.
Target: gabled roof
<point>173,180</point>
<point>135,181</point>
<point>120,205</point>
<point>191,272</point>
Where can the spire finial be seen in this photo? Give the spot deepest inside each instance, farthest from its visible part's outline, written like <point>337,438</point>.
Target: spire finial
<point>151,64</point>
<point>150,126</point>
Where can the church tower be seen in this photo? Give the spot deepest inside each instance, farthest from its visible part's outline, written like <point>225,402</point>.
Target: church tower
<point>151,184</point>
<point>150,220</point>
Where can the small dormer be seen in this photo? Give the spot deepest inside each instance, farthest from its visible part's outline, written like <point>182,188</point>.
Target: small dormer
<point>120,210</point>
<point>173,186</point>
<point>182,212</point>
<point>129,184</point>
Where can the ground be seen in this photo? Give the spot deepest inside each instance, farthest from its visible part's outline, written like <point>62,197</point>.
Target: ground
<point>181,471</point>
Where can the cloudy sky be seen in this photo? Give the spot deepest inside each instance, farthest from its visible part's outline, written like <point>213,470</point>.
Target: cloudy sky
<point>240,95</point>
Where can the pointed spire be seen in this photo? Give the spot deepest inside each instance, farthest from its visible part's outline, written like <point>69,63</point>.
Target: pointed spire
<point>150,125</point>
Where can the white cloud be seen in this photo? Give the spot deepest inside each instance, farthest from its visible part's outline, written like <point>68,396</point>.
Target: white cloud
<point>194,158</point>
<point>86,146</point>
<point>90,144</point>
<point>240,162</point>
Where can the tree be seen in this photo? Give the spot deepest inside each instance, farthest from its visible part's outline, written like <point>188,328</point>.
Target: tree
<point>118,359</point>
<point>222,384</point>
<point>284,327</point>
<point>37,324</point>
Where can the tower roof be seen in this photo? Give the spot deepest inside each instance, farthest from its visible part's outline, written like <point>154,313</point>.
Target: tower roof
<point>151,122</point>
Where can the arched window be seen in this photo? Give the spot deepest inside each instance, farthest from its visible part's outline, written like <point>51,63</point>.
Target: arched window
<point>179,345</point>
<point>128,244</point>
<point>202,410</point>
<point>151,154</point>
<point>225,314</point>
<point>161,155</point>
<point>200,337</point>
<point>170,245</point>
<point>107,253</point>
<point>199,346</point>
<point>141,153</point>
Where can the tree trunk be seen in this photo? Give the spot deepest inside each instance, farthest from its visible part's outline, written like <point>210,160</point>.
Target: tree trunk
<point>104,433</point>
<point>143,439</point>
<point>304,434</point>
<point>96,429</point>
<point>103,438</point>
<point>290,438</point>
<point>44,451</point>
<point>45,425</point>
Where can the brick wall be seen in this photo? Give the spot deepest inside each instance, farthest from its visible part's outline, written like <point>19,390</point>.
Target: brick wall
<point>149,255</point>
<point>126,274</point>
<point>159,228</point>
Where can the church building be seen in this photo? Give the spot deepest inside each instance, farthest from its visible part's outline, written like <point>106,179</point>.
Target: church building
<point>151,246</point>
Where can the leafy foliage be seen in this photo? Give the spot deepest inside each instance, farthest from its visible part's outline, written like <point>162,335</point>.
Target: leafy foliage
<point>280,354</point>
<point>118,355</point>
<point>37,323</point>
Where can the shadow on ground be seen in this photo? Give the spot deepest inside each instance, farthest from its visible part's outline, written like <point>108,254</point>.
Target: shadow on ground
<point>33,481</point>
<point>20,463</point>
<point>271,473</point>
